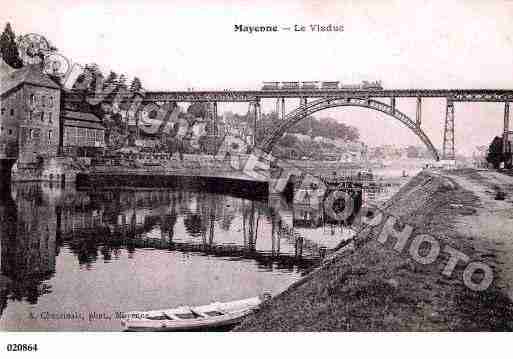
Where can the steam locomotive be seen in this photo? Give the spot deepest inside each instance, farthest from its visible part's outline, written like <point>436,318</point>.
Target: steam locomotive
<point>321,85</point>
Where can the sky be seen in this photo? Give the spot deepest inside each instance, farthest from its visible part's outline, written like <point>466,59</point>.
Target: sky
<point>173,45</point>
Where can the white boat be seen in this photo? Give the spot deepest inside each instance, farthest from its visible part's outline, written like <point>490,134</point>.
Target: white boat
<point>211,316</point>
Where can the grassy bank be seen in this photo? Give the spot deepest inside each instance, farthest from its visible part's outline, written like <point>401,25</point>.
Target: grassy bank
<point>370,287</point>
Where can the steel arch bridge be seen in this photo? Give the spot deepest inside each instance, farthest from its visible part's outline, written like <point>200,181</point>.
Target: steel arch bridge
<point>310,108</point>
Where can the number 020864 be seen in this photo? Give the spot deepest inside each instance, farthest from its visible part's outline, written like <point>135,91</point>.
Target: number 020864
<point>22,347</point>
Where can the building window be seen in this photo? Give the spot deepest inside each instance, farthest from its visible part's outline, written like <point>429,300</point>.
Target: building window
<point>42,117</point>
<point>12,112</point>
<point>43,101</point>
<point>49,135</point>
<point>50,117</point>
<point>2,111</point>
<point>51,101</point>
<point>32,99</point>
<point>9,132</point>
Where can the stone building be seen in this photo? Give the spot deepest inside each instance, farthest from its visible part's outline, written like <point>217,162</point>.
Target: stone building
<point>8,137</point>
<point>29,119</point>
<point>30,113</point>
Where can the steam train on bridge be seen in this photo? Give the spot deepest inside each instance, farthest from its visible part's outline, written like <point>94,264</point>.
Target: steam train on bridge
<point>321,85</point>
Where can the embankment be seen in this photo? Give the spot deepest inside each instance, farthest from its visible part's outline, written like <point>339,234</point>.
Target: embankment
<point>215,184</point>
<point>371,287</point>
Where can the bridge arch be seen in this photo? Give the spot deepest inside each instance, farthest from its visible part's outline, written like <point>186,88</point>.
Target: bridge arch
<point>307,109</point>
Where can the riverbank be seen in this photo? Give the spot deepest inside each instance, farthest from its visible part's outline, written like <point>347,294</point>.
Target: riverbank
<point>243,187</point>
<point>370,287</point>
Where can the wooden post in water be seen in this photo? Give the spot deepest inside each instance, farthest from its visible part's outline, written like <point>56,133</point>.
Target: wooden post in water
<point>279,238</point>
<point>273,235</point>
<point>123,225</point>
<point>322,252</point>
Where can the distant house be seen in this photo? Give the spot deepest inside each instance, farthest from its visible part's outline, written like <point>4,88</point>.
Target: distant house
<point>301,137</point>
<point>350,157</point>
<point>83,134</point>
<point>147,143</point>
<point>479,156</point>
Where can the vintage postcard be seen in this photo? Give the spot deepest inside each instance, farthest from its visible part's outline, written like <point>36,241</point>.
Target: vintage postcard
<point>295,166</point>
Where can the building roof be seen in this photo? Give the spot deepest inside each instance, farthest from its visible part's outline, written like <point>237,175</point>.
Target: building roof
<point>5,69</point>
<point>83,124</point>
<point>80,116</point>
<point>81,119</point>
<point>29,74</point>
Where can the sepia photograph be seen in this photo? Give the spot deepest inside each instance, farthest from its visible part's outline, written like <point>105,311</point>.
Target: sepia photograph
<point>233,166</point>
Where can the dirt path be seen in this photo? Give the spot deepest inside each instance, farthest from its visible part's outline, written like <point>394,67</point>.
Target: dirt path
<point>492,223</point>
<point>371,287</point>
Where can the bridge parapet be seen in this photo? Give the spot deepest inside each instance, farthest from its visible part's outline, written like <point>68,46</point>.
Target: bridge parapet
<point>469,95</point>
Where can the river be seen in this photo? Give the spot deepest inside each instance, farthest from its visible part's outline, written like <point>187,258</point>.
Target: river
<point>74,260</point>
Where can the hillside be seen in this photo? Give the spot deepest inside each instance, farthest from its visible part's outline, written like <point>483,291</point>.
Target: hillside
<point>370,287</point>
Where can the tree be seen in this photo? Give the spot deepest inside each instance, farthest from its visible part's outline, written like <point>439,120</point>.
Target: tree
<point>495,156</point>
<point>121,83</point>
<point>412,152</point>
<point>9,48</point>
<point>288,140</point>
<point>136,85</point>
<point>112,79</point>
<point>90,77</point>
<point>198,109</point>
<point>325,127</point>
<point>379,153</point>
<point>210,128</point>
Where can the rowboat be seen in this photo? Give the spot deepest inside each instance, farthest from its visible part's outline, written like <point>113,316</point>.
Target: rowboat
<point>184,318</point>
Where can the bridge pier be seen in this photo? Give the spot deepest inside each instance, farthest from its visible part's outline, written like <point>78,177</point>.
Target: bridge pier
<point>303,102</point>
<point>505,132</point>
<point>448,144</point>
<point>282,108</point>
<point>214,115</point>
<point>392,104</point>
<point>418,113</point>
<point>256,120</point>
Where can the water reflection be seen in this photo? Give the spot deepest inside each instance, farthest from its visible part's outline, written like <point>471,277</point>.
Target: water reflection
<point>28,245</point>
<point>175,220</point>
<point>105,226</point>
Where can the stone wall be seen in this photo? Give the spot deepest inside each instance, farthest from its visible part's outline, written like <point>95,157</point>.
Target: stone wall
<point>9,123</point>
<point>39,123</point>
<point>55,169</point>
